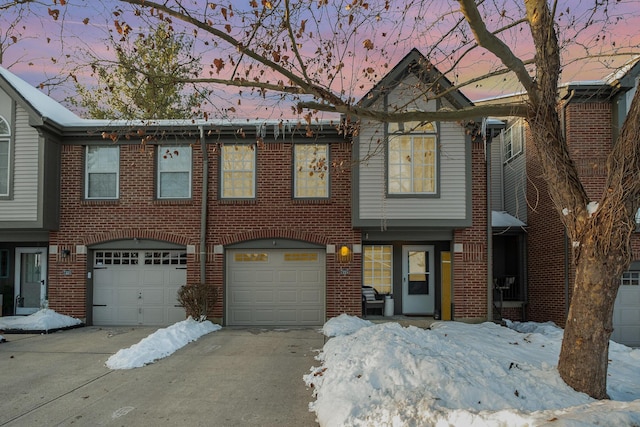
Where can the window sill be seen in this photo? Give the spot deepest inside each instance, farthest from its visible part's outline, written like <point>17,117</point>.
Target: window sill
<point>311,201</point>
<point>172,202</point>
<point>237,201</point>
<point>103,202</point>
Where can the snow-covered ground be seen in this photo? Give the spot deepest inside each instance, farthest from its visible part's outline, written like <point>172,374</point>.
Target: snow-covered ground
<point>455,374</point>
<point>458,374</point>
<point>158,345</point>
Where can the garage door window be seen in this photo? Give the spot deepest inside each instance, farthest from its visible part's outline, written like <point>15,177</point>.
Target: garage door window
<point>251,257</point>
<point>630,278</point>
<point>165,258</point>
<point>116,258</point>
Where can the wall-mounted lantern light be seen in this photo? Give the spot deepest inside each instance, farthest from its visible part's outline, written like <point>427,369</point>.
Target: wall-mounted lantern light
<point>344,254</point>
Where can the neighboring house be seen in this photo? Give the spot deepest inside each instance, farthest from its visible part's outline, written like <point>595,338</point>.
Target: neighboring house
<point>30,142</point>
<point>592,113</point>
<point>285,221</point>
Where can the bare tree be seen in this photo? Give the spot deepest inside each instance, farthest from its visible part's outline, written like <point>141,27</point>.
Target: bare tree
<point>321,56</point>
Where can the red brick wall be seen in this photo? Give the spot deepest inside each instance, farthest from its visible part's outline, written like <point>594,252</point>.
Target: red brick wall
<point>470,266</point>
<point>588,130</point>
<point>273,214</point>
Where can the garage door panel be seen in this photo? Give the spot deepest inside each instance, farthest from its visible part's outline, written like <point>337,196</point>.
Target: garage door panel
<point>310,317</point>
<point>288,296</point>
<point>264,316</point>
<point>313,297</point>
<point>153,296</point>
<point>239,297</point>
<point>153,277</point>
<point>127,315</point>
<point>309,277</point>
<point>126,277</point>
<point>264,296</point>
<point>263,276</point>
<point>275,287</point>
<point>126,296</point>
<point>288,276</point>
<point>246,277</point>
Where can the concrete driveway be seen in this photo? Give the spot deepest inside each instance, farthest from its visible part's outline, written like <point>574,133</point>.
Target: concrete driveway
<point>232,377</point>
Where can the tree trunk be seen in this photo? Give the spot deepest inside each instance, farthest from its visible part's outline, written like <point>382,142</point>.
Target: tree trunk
<point>584,355</point>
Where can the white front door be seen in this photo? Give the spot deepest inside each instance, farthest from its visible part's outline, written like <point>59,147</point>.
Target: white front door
<point>30,280</point>
<point>418,289</point>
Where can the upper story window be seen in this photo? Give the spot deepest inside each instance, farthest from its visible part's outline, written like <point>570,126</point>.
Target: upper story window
<point>513,140</point>
<point>174,172</point>
<point>238,177</point>
<point>413,158</point>
<point>5,157</point>
<point>311,176</point>
<point>102,172</point>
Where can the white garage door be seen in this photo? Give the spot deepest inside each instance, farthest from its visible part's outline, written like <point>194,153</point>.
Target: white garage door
<point>626,312</point>
<point>138,287</point>
<point>276,287</point>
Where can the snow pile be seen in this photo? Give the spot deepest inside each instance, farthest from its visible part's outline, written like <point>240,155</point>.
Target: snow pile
<point>461,374</point>
<point>160,344</point>
<point>43,320</point>
<point>344,325</point>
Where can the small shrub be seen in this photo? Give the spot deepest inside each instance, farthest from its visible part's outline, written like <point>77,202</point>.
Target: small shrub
<point>193,298</point>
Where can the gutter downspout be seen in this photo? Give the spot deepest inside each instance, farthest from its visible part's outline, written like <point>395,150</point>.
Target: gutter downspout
<point>487,153</point>
<point>204,204</point>
<point>566,238</point>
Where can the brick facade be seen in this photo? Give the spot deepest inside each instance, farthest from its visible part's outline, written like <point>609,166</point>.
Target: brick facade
<point>550,262</point>
<point>138,214</point>
<point>470,265</point>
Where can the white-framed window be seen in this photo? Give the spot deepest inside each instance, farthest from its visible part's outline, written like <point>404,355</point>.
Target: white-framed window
<point>102,172</point>
<point>174,172</point>
<point>311,176</point>
<point>413,158</point>
<point>377,268</point>
<point>238,175</point>
<point>513,140</point>
<point>5,157</point>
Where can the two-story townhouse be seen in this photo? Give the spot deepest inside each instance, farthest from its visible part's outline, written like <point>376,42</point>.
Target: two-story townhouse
<point>592,113</point>
<point>268,240</point>
<point>420,199</point>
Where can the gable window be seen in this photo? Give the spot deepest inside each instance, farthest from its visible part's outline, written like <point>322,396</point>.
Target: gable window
<point>102,172</point>
<point>311,176</point>
<point>412,160</point>
<point>377,268</point>
<point>5,157</point>
<point>513,140</point>
<point>238,179</point>
<point>174,172</point>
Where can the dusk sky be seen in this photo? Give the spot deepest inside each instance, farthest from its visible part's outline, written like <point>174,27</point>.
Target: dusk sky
<point>37,57</point>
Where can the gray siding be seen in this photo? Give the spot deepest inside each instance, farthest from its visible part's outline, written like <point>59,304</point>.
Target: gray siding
<point>497,180</point>
<point>515,186</point>
<point>452,201</point>
<point>27,157</point>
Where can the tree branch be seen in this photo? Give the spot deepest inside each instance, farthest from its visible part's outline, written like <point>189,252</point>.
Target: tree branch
<point>493,44</point>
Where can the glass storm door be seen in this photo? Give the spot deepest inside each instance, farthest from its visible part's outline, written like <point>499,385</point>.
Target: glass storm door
<point>418,293</point>
<point>31,275</point>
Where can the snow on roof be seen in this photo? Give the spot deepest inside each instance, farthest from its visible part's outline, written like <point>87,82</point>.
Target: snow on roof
<point>503,219</point>
<point>46,106</point>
